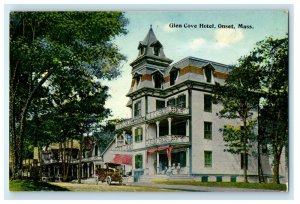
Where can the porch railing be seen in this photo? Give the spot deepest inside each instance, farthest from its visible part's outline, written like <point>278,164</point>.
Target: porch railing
<point>123,148</point>
<point>168,139</point>
<point>166,111</point>
<point>153,115</point>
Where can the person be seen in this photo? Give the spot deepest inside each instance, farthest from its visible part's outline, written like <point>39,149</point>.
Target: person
<point>178,168</point>
<point>173,169</point>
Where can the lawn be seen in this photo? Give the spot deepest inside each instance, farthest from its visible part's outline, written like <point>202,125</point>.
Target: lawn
<point>20,185</point>
<point>270,186</point>
<point>27,185</point>
<point>103,187</point>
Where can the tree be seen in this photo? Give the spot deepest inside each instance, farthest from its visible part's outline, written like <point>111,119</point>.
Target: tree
<point>240,100</point>
<point>271,56</point>
<point>47,46</point>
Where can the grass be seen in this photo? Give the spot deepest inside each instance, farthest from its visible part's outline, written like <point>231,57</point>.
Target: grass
<point>27,185</point>
<point>270,186</point>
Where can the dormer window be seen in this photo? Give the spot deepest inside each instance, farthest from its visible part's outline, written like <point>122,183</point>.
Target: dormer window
<point>156,50</point>
<point>142,50</point>
<point>208,71</point>
<point>137,78</point>
<point>158,80</point>
<point>173,76</point>
<point>208,75</point>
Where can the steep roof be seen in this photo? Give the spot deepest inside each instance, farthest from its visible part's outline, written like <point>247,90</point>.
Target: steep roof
<point>148,44</point>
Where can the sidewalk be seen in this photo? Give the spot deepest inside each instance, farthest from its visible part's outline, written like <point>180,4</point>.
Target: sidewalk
<point>192,188</point>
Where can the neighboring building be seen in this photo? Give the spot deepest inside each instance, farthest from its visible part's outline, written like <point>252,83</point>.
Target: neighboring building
<point>52,161</point>
<point>174,127</point>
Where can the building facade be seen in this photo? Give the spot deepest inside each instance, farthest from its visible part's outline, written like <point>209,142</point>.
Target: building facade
<point>174,128</point>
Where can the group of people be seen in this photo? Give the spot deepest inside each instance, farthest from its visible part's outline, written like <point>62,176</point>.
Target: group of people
<point>172,169</point>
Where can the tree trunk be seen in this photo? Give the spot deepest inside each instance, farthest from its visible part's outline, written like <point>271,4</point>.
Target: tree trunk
<point>80,159</point>
<point>20,144</point>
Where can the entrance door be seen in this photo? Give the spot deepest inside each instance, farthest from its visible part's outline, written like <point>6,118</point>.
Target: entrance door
<point>163,162</point>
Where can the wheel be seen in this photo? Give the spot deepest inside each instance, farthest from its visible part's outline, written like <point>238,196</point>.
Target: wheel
<point>121,181</point>
<point>108,180</point>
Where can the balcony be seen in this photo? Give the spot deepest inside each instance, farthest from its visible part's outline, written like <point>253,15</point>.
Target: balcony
<point>166,111</point>
<point>130,122</point>
<point>153,115</point>
<point>168,139</point>
<point>123,148</point>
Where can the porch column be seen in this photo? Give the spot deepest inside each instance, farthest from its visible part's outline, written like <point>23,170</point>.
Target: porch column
<point>72,171</point>
<point>170,125</point>
<point>124,135</point>
<point>116,138</point>
<point>147,132</point>
<point>133,135</point>
<point>170,160</point>
<point>77,171</point>
<point>187,160</point>
<point>88,170</point>
<point>157,163</point>
<point>187,130</point>
<point>157,129</point>
<point>82,174</point>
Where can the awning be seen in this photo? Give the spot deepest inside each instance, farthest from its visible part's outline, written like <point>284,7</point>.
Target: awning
<point>168,148</point>
<point>122,159</point>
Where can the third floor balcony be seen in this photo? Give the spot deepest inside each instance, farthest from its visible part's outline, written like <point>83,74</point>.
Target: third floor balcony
<point>170,110</point>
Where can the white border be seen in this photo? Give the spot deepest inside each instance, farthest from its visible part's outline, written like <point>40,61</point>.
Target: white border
<point>182,5</point>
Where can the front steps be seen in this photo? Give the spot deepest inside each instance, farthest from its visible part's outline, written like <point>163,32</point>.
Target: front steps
<point>174,177</point>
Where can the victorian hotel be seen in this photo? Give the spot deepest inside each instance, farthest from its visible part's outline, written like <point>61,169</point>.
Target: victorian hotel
<point>174,129</point>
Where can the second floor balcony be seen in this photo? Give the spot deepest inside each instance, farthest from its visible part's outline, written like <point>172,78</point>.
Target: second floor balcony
<point>167,139</point>
<point>170,110</point>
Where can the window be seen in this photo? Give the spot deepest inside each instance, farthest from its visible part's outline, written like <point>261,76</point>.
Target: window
<point>138,80</point>
<point>181,101</point>
<point>142,50</point>
<point>138,134</point>
<point>207,130</point>
<point>242,160</point>
<point>207,103</point>
<point>138,108</point>
<point>208,74</point>
<point>160,104</point>
<point>158,81</point>
<point>156,50</point>
<point>171,102</point>
<point>173,77</point>
<point>138,161</point>
<point>207,159</point>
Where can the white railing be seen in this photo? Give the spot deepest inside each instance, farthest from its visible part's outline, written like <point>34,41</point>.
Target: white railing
<point>154,114</point>
<point>166,111</point>
<point>123,148</point>
<point>130,122</point>
<point>168,139</point>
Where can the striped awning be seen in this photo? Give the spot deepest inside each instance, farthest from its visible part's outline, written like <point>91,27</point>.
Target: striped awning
<point>122,159</point>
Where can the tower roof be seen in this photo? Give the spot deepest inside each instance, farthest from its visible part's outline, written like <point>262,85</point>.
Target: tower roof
<point>151,47</point>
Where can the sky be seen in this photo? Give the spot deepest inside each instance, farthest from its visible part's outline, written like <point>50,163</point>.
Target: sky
<point>223,45</point>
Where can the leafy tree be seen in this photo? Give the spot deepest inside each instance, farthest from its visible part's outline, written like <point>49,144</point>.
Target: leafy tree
<point>49,48</point>
<point>271,56</point>
<point>239,99</point>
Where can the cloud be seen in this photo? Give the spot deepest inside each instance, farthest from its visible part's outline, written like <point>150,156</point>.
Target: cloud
<point>197,43</point>
<point>225,37</point>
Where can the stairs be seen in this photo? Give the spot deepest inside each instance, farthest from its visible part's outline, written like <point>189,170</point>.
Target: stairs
<point>181,177</point>
<point>149,178</point>
<point>175,177</point>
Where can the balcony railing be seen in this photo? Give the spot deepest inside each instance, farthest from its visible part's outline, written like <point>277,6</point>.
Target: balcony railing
<point>123,148</point>
<point>168,139</point>
<point>130,122</point>
<point>153,115</point>
<point>166,111</point>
